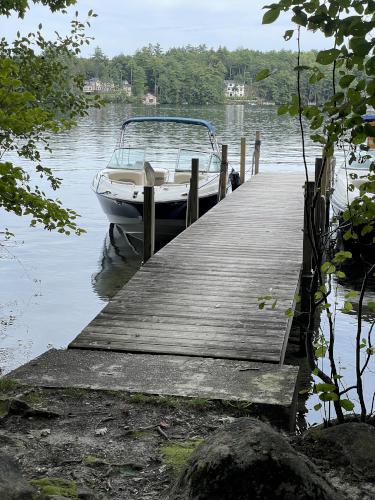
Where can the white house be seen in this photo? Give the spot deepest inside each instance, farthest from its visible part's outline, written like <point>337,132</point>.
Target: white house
<point>127,88</point>
<point>234,89</point>
<point>149,99</point>
<point>92,86</point>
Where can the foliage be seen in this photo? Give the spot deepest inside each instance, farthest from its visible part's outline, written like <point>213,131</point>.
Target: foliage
<point>336,122</point>
<point>39,96</point>
<point>195,75</point>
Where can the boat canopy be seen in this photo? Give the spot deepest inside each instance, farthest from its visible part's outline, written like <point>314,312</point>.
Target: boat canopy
<point>171,119</point>
<point>368,118</point>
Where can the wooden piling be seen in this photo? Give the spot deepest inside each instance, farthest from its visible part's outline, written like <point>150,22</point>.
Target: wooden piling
<point>320,189</point>
<point>306,275</point>
<point>257,152</point>
<point>148,223</point>
<point>307,247</point>
<point>193,198</point>
<point>243,160</point>
<point>223,173</point>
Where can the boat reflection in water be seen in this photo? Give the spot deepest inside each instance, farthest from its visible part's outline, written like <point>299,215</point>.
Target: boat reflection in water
<point>121,258</point>
<point>119,261</point>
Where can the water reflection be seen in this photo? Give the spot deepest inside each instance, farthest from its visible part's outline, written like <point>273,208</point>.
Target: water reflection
<point>120,259</point>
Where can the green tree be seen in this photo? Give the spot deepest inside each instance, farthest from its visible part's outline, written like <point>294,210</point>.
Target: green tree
<point>39,96</point>
<point>348,69</point>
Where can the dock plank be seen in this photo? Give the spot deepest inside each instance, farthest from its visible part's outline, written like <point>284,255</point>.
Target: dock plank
<point>198,295</point>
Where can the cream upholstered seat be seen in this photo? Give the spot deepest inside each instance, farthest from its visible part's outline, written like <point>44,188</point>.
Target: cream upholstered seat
<point>159,177</point>
<point>127,176</point>
<point>184,177</point>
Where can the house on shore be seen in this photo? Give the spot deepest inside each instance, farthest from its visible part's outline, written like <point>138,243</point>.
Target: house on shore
<point>149,99</point>
<point>93,86</point>
<point>234,89</point>
<point>126,88</point>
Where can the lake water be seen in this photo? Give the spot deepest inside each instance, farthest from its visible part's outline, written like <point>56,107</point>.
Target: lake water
<point>53,285</point>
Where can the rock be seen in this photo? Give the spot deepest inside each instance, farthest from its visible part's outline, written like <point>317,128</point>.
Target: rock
<point>86,494</point>
<point>248,459</point>
<point>12,484</point>
<point>351,444</point>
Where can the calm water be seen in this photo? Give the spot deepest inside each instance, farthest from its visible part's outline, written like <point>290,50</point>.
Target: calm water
<point>53,285</point>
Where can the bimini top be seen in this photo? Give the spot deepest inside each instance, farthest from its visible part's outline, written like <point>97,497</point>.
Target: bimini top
<point>171,119</point>
<point>368,118</point>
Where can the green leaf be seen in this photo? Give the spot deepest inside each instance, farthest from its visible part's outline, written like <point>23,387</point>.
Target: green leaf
<point>348,307</point>
<point>360,46</point>
<point>328,268</point>
<point>317,406</point>
<point>341,256</point>
<point>371,305</point>
<point>264,73</point>
<point>326,57</point>
<point>346,80</point>
<point>320,352</point>
<point>289,312</point>
<point>324,387</point>
<point>328,396</point>
<point>352,294</point>
<point>288,34</point>
<point>346,404</point>
<point>340,274</point>
<point>271,15</point>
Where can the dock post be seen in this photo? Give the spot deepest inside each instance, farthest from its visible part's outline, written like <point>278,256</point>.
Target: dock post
<point>306,275</point>
<point>320,189</point>
<point>243,160</point>
<point>329,185</point>
<point>193,198</point>
<point>223,173</point>
<point>257,152</point>
<point>148,223</point>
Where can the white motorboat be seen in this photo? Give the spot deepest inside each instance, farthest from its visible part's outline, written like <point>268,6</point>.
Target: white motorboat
<point>119,187</point>
<point>353,174</point>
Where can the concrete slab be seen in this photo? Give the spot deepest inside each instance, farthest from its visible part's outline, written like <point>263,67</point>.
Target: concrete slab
<point>185,376</point>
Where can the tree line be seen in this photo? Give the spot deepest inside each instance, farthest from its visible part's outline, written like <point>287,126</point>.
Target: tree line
<point>195,75</point>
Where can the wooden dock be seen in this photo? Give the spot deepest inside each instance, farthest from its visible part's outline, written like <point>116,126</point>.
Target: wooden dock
<point>198,296</point>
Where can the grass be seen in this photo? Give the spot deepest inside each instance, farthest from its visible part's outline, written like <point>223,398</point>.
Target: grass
<point>50,486</point>
<point>198,402</point>
<point>175,455</point>
<point>8,385</point>
<point>167,401</point>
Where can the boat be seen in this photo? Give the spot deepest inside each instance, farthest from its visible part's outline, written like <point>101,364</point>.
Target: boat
<point>348,180</point>
<point>354,173</point>
<point>119,186</point>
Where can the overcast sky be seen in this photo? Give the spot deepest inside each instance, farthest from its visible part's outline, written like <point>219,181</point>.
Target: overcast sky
<point>123,27</point>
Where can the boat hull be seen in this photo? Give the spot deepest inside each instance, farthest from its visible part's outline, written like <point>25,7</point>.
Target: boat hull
<point>170,216</point>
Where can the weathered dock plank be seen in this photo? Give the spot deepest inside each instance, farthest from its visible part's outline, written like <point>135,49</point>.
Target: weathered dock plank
<point>198,295</point>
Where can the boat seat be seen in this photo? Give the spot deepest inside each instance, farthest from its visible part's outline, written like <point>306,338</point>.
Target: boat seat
<point>127,176</point>
<point>184,177</point>
<point>159,177</point>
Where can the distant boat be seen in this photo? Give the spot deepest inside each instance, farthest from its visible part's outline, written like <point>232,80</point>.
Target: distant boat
<point>119,187</point>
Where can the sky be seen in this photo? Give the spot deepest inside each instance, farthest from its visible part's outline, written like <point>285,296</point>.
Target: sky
<point>124,27</point>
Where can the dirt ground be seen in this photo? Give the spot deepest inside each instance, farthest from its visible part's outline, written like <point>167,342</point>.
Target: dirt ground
<point>77,443</point>
<point>117,445</point>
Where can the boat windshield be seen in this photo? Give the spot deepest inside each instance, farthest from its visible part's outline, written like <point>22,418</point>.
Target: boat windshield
<point>170,159</point>
<point>208,162</point>
<point>129,158</point>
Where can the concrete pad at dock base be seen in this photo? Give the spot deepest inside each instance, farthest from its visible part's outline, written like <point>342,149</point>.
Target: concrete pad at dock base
<point>268,386</point>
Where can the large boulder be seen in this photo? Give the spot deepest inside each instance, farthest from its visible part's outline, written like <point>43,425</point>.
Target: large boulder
<point>12,484</point>
<point>351,445</point>
<point>248,459</point>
